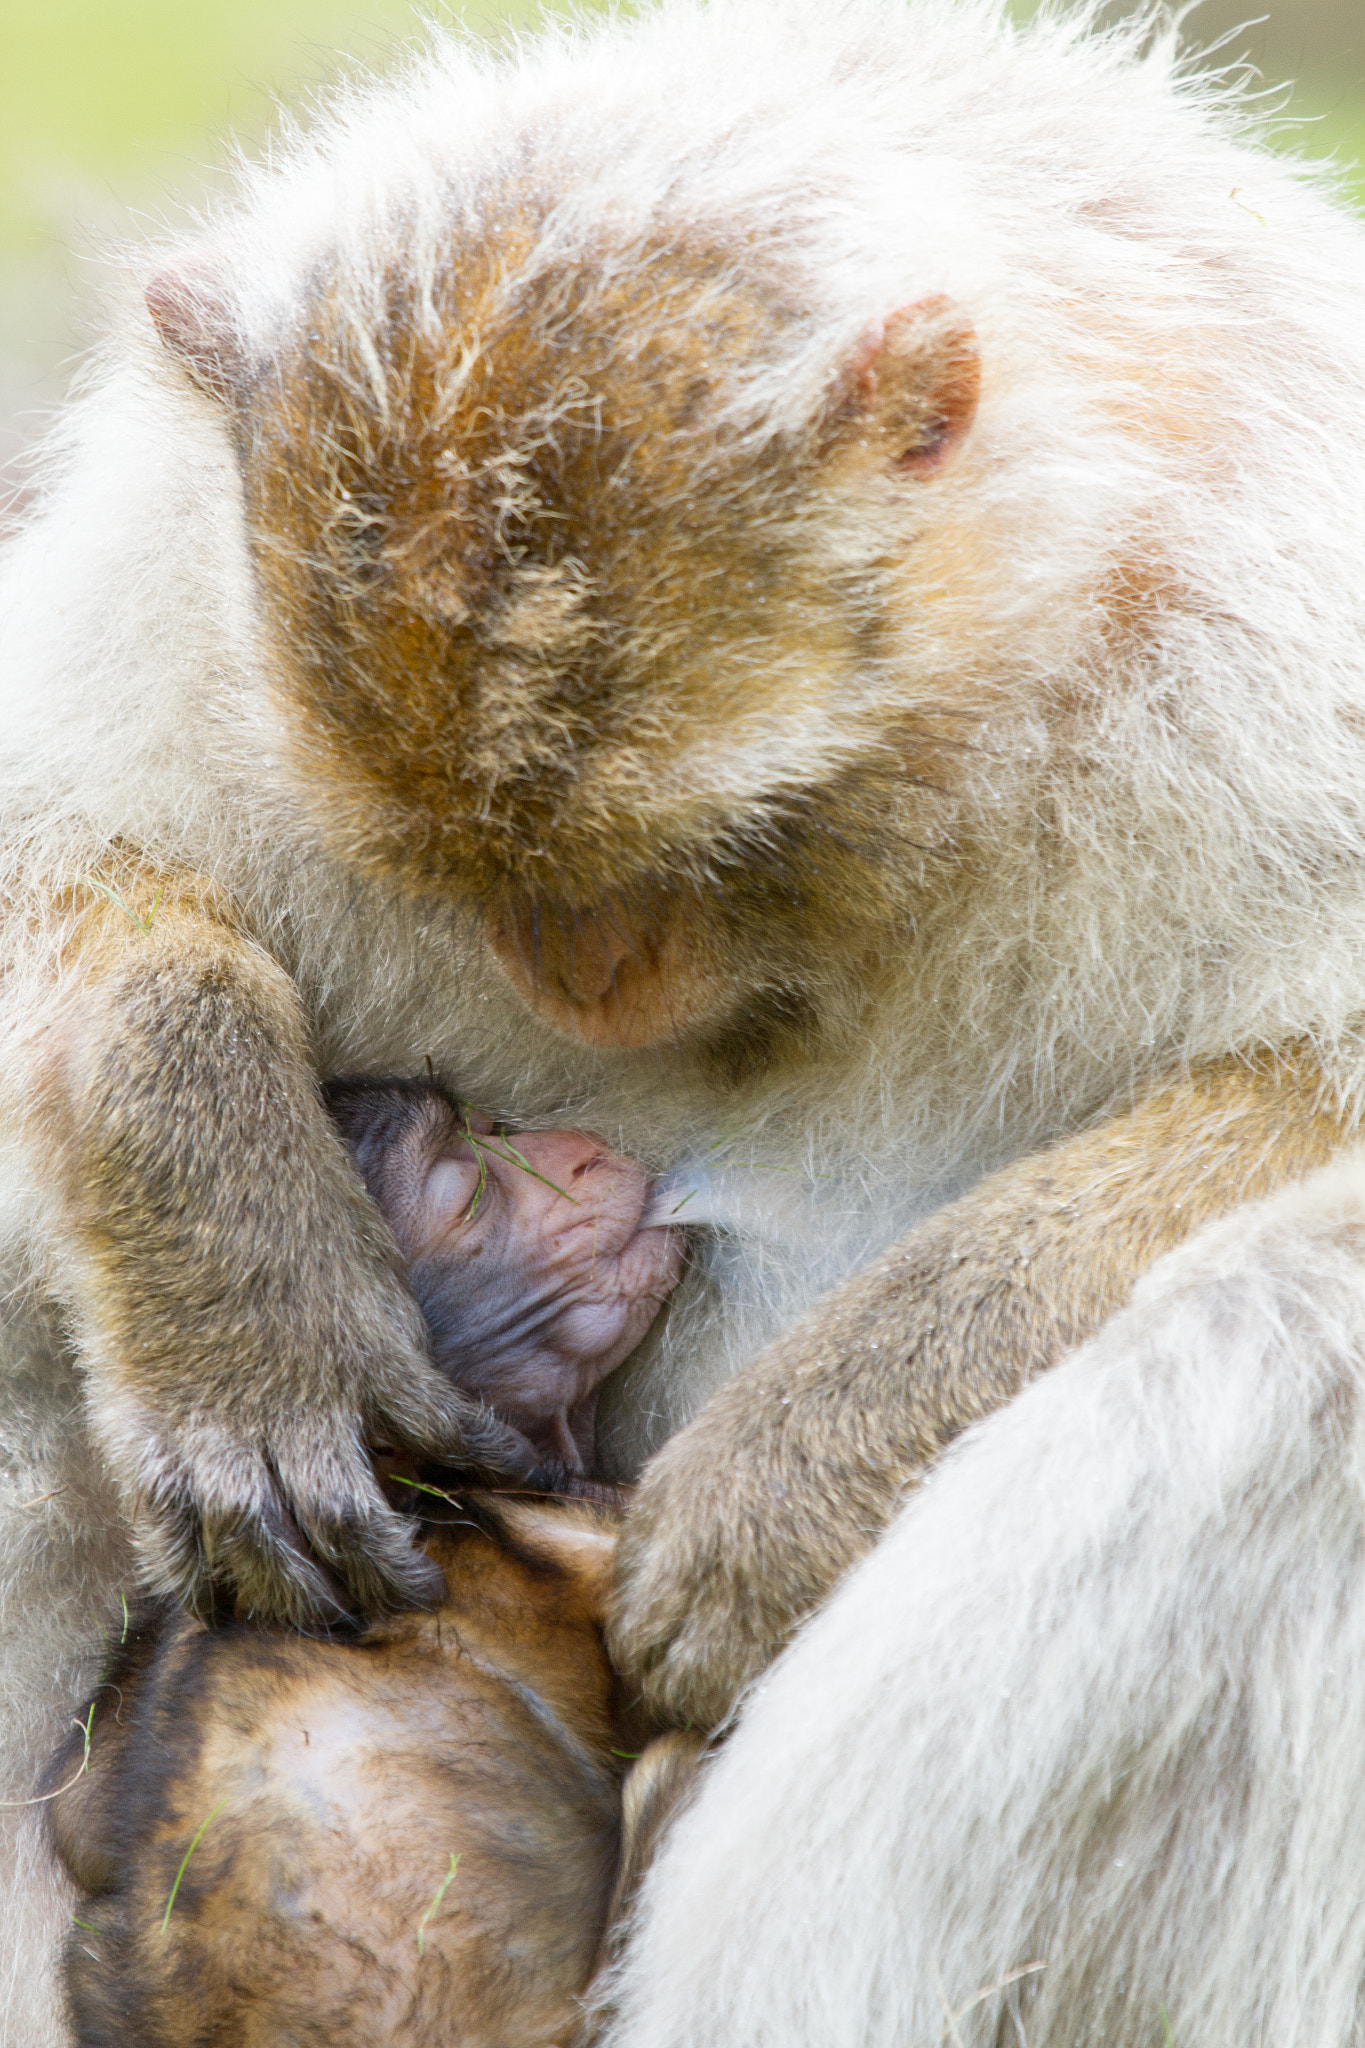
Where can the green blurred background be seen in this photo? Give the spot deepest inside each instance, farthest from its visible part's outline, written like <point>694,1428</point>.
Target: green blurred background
<point>112,107</point>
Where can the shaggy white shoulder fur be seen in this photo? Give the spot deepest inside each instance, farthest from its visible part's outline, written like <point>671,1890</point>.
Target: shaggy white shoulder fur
<point>1079,1745</point>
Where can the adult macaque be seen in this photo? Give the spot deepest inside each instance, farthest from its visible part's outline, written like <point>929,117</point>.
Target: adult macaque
<point>782,582</point>
<point>418,1839</point>
<point>526,1254</point>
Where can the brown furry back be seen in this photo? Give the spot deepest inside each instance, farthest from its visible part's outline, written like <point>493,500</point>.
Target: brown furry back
<point>408,1838</point>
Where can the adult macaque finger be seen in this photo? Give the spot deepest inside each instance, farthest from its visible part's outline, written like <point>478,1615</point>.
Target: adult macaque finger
<point>373,1556</point>
<point>428,1414</point>
<point>302,1538</point>
<point>224,1552</point>
<point>262,1567</point>
<point>691,1622</point>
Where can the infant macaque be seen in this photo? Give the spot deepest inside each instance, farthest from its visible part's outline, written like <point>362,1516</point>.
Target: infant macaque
<point>419,1838</point>
<point>526,1254</point>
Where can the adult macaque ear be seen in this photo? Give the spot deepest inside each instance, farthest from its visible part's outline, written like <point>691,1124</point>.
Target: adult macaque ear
<point>908,393</point>
<point>191,311</point>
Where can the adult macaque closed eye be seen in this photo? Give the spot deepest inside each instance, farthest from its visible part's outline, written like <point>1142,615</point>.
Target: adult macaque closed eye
<point>526,1252</point>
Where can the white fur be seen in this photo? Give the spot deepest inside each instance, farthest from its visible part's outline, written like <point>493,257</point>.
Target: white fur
<point>1096,1702</point>
<point>1158,848</point>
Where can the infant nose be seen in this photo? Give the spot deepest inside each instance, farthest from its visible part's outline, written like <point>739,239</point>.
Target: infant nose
<point>567,1158</point>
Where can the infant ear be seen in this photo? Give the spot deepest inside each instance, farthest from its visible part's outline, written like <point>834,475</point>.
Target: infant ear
<point>191,310</point>
<point>908,393</point>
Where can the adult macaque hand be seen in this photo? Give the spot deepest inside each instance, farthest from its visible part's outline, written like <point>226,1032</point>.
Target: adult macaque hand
<point>743,1522</point>
<point>238,1303</point>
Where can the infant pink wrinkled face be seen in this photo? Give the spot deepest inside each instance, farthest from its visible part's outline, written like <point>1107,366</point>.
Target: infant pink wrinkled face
<point>526,1255</point>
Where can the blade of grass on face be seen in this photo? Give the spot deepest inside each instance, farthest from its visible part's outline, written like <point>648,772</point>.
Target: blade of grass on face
<point>511,1157</point>
<point>184,1861</point>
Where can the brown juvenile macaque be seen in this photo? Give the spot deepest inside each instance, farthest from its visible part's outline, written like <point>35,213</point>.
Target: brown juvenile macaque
<point>526,1254</point>
<point>416,1839</point>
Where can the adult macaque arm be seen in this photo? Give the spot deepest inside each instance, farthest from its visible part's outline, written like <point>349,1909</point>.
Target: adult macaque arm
<point>236,1297</point>
<point>744,1521</point>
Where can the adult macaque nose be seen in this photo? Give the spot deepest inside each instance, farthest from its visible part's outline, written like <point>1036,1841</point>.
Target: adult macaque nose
<point>610,976</point>
<point>599,978</point>
<point>579,963</point>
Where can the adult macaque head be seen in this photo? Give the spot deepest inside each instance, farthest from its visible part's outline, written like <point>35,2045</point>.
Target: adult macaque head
<point>575,618</point>
<point>526,1253</point>
<point>423,1839</point>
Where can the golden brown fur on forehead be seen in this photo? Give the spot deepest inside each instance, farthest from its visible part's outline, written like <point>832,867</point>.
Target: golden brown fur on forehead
<point>527,544</point>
